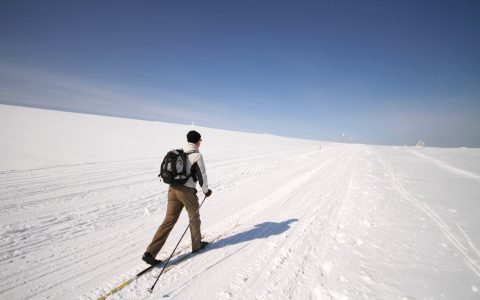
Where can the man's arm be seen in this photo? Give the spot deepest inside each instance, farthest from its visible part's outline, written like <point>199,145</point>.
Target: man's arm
<point>201,173</point>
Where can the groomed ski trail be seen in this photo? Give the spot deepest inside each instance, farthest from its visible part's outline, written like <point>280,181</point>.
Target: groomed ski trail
<point>300,222</point>
<point>268,242</point>
<point>118,194</point>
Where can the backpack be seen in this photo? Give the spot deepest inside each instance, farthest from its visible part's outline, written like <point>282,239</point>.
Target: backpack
<point>173,169</point>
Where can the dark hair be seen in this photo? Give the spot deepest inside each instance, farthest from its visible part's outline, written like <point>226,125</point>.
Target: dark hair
<point>193,137</point>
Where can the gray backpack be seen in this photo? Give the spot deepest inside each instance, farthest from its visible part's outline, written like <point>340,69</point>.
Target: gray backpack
<point>173,169</point>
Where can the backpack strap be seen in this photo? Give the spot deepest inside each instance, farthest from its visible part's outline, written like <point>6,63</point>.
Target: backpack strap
<point>185,165</point>
<point>185,162</point>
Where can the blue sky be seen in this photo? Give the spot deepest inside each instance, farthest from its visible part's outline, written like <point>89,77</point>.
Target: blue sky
<point>381,72</point>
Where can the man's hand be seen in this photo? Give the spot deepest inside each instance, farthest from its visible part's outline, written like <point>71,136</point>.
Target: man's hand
<point>207,194</point>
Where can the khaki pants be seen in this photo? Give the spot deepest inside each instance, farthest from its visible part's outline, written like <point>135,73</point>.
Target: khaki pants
<point>178,197</point>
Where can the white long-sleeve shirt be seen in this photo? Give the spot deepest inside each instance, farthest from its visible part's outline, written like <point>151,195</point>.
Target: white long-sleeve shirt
<point>195,159</point>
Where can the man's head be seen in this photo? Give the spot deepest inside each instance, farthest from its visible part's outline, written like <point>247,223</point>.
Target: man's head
<point>194,137</point>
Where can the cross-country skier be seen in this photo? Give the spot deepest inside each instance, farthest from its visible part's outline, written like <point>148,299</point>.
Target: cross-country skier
<point>180,196</point>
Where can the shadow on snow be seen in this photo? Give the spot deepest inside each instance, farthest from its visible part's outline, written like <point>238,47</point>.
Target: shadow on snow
<point>259,231</point>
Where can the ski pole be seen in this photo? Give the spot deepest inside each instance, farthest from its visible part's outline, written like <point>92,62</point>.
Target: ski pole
<point>168,260</point>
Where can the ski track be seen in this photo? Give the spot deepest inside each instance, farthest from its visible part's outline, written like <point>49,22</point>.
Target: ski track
<point>51,188</point>
<point>469,251</point>
<point>280,261</point>
<point>279,243</point>
<point>253,210</point>
<point>447,167</point>
<point>282,248</point>
<point>289,254</point>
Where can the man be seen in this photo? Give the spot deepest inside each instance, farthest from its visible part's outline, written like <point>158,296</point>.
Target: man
<point>180,196</point>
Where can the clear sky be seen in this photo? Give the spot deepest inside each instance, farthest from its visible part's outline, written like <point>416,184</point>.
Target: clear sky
<point>382,72</point>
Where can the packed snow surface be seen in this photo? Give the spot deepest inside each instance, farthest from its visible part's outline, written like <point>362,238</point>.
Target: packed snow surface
<point>289,218</point>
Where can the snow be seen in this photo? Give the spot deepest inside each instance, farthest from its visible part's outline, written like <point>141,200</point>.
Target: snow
<point>291,219</point>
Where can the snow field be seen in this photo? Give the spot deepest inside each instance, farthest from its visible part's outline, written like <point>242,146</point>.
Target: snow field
<point>291,219</point>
